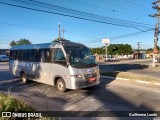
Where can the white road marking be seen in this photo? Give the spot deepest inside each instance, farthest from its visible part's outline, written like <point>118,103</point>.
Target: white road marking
<point>142,81</point>
<point>157,83</point>
<point>122,78</point>
<point>9,80</point>
<point>139,81</point>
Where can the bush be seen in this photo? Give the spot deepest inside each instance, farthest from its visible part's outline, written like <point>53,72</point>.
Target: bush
<point>11,104</point>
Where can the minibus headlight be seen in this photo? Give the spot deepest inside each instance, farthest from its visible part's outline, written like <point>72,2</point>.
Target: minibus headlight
<point>76,76</point>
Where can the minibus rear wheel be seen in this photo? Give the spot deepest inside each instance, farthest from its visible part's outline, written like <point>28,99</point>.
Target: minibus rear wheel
<point>23,77</point>
<point>61,86</point>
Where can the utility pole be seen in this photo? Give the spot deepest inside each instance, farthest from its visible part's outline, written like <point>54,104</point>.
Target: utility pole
<point>59,30</point>
<point>63,32</point>
<point>138,44</point>
<point>106,51</point>
<point>156,5</point>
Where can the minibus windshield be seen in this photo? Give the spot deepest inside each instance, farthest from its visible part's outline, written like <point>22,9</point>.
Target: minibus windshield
<point>80,57</point>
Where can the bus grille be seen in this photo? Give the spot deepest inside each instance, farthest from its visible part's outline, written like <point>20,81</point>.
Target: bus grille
<point>91,78</point>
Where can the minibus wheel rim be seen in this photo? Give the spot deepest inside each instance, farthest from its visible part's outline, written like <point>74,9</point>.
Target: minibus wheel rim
<point>24,79</point>
<point>60,85</point>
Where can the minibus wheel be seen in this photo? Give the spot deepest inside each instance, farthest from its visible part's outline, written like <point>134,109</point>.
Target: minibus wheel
<point>61,85</point>
<point>23,77</point>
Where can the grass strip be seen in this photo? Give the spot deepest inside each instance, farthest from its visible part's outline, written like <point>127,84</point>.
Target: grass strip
<point>11,104</point>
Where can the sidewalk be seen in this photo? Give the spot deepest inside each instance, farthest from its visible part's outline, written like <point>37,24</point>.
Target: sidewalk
<point>143,72</point>
<point>152,72</point>
<point>140,67</point>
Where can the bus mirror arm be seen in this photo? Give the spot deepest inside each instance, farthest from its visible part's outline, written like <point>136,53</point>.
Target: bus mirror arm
<point>67,64</point>
<point>67,59</point>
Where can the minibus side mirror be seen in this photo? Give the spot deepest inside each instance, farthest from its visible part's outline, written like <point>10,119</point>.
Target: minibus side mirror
<point>67,57</point>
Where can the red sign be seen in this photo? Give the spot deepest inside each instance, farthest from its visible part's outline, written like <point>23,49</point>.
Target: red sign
<point>155,51</point>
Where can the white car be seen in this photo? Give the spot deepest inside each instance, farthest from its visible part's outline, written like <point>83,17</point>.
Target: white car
<point>111,59</point>
<point>4,59</point>
<point>157,60</point>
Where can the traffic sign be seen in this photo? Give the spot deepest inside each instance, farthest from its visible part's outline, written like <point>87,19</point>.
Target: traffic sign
<point>105,41</point>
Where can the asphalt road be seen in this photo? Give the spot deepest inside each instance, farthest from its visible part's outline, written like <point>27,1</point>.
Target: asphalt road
<point>142,67</point>
<point>109,95</point>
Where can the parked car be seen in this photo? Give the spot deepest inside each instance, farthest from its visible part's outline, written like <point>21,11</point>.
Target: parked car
<point>111,59</point>
<point>157,60</point>
<point>4,59</point>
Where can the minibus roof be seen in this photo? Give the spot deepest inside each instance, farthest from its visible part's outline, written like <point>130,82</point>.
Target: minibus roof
<point>45,45</point>
<point>31,46</point>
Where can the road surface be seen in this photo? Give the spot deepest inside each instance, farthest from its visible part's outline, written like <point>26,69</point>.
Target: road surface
<point>110,95</point>
<point>142,67</point>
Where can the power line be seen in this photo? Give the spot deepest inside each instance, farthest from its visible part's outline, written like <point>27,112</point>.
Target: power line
<point>123,23</point>
<point>136,4</point>
<point>4,43</point>
<point>65,15</point>
<point>124,36</point>
<point>113,38</point>
<point>106,9</point>
<point>68,31</point>
<point>71,32</point>
<point>81,13</point>
<point>125,7</point>
<point>26,26</point>
<point>58,13</point>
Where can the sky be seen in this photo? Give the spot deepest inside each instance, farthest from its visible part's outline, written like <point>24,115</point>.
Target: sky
<point>84,21</point>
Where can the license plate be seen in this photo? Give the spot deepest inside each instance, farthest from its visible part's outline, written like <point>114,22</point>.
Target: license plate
<point>92,79</point>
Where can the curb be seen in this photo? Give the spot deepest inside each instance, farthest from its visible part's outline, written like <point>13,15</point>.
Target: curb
<point>139,81</point>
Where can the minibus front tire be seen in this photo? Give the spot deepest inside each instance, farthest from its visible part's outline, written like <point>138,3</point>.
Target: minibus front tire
<point>61,86</point>
<point>23,77</point>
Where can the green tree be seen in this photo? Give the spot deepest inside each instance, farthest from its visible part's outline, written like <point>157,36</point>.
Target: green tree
<point>57,39</point>
<point>13,43</point>
<point>23,42</point>
<point>150,50</point>
<point>20,42</point>
<point>119,49</point>
<point>99,50</point>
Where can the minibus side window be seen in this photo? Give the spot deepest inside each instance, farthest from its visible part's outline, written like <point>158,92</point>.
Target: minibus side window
<point>19,54</point>
<point>47,56</point>
<point>37,55</point>
<point>30,55</point>
<point>59,57</point>
<point>22,55</point>
<point>14,54</point>
<point>11,55</point>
